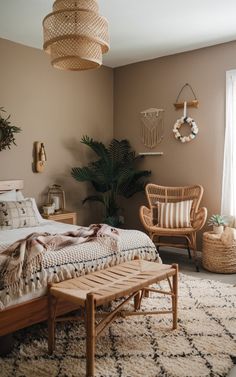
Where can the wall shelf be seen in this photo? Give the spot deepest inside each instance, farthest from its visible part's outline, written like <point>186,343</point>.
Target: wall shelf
<point>151,154</point>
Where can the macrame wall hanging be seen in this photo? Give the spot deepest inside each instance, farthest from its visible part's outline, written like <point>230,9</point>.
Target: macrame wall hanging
<point>152,127</point>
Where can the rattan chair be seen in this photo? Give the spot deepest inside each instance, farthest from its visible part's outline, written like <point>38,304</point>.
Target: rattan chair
<point>149,216</point>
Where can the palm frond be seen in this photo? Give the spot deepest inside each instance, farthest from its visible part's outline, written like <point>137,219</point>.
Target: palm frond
<point>97,147</point>
<point>134,183</point>
<point>83,174</point>
<point>132,189</point>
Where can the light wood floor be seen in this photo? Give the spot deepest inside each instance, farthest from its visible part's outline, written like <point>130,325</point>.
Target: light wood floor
<point>187,267</point>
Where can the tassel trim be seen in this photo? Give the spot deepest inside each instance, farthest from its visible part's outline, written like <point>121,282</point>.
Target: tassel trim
<point>56,274</point>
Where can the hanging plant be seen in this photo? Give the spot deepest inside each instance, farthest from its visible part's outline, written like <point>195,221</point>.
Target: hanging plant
<point>7,132</point>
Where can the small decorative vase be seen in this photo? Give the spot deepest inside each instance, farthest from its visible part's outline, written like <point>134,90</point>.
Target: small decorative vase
<point>218,229</point>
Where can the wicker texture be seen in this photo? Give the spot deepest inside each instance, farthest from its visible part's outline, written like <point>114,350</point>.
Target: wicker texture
<point>82,4</point>
<point>75,35</point>
<point>217,257</point>
<point>130,280</point>
<point>149,216</point>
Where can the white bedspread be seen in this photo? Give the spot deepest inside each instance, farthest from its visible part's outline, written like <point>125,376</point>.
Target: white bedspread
<point>74,260</point>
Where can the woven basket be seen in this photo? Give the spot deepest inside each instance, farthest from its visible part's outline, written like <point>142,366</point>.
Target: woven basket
<point>217,257</point>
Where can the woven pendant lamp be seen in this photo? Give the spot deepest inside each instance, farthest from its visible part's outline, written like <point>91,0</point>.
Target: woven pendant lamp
<point>75,35</point>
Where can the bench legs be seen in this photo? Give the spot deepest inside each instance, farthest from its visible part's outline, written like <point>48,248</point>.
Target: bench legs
<point>175,297</point>
<point>137,300</point>
<point>52,306</point>
<point>91,335</point>
<point>93,330</point>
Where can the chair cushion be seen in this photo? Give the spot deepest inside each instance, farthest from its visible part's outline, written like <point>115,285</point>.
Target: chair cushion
<point>174,215</point>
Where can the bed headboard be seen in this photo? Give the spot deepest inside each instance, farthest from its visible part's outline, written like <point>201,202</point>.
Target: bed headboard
<point>11,185</point>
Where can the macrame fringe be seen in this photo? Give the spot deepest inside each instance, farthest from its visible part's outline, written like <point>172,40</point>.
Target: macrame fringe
<point>39,280</point>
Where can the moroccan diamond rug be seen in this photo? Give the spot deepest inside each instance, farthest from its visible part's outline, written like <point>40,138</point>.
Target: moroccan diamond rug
<point>203,346</point>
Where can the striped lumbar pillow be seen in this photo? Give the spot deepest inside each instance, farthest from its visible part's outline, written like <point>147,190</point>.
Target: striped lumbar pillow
<point>174,215</point>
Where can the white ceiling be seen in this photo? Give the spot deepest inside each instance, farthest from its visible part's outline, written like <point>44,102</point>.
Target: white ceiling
<point>139,29</point>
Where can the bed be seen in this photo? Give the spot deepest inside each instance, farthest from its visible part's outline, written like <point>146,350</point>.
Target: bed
<point>24,307</point>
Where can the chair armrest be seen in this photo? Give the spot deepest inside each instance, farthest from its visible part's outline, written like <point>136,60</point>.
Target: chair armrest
<point>145,215</point>
<point>199,218</point>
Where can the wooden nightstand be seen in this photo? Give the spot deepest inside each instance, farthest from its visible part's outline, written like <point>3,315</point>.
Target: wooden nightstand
<point>63,217</point>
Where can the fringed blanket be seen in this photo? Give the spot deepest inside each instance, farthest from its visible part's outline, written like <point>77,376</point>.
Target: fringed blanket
<point>54,259</point>
<point>25,256</point>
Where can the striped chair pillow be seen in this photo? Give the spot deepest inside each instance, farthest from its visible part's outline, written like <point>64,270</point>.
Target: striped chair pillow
<point>174,215</point>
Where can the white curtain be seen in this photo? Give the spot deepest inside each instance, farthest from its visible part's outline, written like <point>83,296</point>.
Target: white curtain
<point>228,200</point>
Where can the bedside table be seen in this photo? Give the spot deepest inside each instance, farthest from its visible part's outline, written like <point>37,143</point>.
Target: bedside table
<point>63,217</point>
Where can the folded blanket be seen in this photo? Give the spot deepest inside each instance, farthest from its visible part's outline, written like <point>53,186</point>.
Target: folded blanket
<point>25,256</point>
<point>228,236</point>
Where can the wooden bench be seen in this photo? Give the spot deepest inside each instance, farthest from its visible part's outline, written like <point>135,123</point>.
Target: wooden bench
<point>124,281</point>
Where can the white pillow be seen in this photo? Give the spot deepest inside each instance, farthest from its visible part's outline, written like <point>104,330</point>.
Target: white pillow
<point>36,210</point>
<point>19,196</point>
<point>8,196</point>
<point>11,196</point>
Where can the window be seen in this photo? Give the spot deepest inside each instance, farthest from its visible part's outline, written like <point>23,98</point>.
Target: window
<point>228,202</point>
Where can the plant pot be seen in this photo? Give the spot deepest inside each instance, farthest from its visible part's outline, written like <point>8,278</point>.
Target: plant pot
<point>218,229</point>
<point>115,221</point>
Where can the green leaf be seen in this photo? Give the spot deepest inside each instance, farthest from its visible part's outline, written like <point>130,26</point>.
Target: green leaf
<point>98,148</point>
<point>82,174</point>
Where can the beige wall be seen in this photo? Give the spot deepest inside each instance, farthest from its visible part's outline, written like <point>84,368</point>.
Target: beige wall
<point>156,83</point>
<point>58,107</point>
<point>55,107</point>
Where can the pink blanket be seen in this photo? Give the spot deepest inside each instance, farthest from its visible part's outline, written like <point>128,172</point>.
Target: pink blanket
<point>24,257</point>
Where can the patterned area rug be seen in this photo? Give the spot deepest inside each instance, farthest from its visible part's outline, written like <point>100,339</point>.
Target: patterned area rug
<point>203,346</point>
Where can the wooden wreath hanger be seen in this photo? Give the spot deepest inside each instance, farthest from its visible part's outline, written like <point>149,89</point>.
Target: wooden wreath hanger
<point>193,103</point>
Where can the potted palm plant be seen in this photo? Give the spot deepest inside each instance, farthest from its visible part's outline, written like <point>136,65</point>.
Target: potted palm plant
<point>113,175</point>
<point>218,223</point>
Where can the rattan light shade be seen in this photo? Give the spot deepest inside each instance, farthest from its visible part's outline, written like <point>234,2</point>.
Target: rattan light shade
<point>75,35</point>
